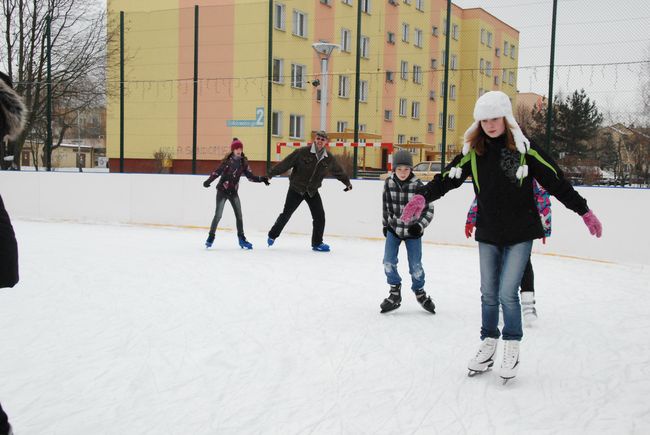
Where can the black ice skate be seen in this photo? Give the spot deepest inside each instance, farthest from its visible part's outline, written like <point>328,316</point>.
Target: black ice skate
<point>394,299</point>
<point>425,301</point>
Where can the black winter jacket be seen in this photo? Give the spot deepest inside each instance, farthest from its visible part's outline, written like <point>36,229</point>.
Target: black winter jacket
<point>307,171</point>
<point>8,250</point>
<point>507,213</point>
<point>230,172</point>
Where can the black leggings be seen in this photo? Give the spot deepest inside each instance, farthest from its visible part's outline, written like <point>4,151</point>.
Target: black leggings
<point>528,279</point>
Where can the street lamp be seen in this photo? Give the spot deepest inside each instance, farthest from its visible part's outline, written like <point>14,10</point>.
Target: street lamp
<point>324,50</point>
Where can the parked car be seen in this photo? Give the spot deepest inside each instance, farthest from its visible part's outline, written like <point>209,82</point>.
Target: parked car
<point>425,171</point>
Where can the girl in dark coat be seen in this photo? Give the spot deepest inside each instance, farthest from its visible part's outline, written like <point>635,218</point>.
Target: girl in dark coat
<point>503,163</point>
<point>232,167</point>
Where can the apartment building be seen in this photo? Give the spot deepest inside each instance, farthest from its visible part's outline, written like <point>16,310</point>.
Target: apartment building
<point>401,75</point>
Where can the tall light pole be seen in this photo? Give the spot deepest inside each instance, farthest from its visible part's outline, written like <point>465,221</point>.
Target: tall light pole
<point>324,50</point>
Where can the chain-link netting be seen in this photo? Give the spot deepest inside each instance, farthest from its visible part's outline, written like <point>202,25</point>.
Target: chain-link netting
<point>194,78</point>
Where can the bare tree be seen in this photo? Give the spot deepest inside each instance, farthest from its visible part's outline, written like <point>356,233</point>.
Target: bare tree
<point>78,61</point>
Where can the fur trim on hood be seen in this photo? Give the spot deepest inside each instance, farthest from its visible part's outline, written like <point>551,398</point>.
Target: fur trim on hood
<point>12,112</point>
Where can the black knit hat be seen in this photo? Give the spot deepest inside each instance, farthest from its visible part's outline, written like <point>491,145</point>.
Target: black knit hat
<point>402,158</point>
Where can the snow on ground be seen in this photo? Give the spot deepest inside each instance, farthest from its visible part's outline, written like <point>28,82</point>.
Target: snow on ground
<point>119,329</point>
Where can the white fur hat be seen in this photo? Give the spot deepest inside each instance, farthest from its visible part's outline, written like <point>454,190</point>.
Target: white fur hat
<point>495,104</point>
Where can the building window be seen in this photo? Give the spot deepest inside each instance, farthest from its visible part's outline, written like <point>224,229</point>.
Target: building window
<point>299,23</point>
<point>452,122</point>
<point>452,92</point>
<point>480,91</point>
<point>347,2</point>
<point>441,119</point>
<point>390,76</point>
<point>278,71</point>
<point>326,2</point>
<point>402,106</point>
<point>365,47</point>
<point>276,124</point>
<point>346,40</point>
<point>434,63</point>
<point>489,39</point>
<point>503,76</point>
<point>443,88</point>
<point>511,78</point>
<point>434,30</point>
<point>512,52</point>
<point>497,52</point>
<point>404,70</point>
<point>417,74</point>
<point>365,6</point>
<point>341,126</point>
<point>454,31</point>
<point>296,126</point>
<point>417,38</point>
<point>391,38</point>
<point>443,57</point>
<point>388,115</point>
<point>453,62</point>
<point>363,91</point>
<point>401,138</point>
<point>279,17</point>
<point>432,95</point>
<point>297,76</point>
<point>488,68</point>
<point>505,48</point>
<point>483,36</point>
<point>344,86</point>
<point>481,65</point>
<point>405,32</point>
<point>430,127</point>
<point>419,5</point>
<point>415,109</point>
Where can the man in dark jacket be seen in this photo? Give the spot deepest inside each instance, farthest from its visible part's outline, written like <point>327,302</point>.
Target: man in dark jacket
<point>309,166</point>
<point>12,120</point>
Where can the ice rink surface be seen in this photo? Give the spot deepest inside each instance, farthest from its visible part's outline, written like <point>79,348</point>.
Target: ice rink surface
<point>118,329</point>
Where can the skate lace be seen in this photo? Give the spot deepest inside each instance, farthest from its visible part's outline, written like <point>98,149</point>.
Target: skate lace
<point>486,349</point>
<point>510,355</point>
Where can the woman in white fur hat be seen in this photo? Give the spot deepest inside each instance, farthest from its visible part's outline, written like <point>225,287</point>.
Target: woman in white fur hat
<point>502,163</point>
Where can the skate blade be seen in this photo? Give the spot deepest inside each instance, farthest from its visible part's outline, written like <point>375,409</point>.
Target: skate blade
<point>388,310</point>
<point>473,373</point>
<point>505,380</point>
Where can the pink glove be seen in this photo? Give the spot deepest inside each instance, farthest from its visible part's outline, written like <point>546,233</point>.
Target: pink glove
<point>592,222</point>
<point>413,209</point>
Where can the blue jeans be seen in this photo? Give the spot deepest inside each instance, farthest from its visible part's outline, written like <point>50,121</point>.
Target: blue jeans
<point>414,254</point>
<point>501,270</point>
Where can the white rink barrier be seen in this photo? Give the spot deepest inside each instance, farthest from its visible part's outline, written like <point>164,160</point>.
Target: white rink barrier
<point>181,200</point>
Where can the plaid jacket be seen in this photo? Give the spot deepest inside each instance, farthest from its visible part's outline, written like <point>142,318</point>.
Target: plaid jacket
<point>396,195</point>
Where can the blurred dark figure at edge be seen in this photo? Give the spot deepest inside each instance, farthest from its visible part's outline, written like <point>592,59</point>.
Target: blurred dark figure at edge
<point>12,122</point>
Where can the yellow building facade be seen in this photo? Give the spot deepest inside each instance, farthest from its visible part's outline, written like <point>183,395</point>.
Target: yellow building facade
<point>401,75</point>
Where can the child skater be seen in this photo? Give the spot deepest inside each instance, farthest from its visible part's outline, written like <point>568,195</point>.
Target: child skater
<point>399,188</point>
<point>233,165</point>
<point>527,286</point>
<point>503,163</point>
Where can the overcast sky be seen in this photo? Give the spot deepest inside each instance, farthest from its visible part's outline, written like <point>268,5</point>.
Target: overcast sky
<point>588,32</point>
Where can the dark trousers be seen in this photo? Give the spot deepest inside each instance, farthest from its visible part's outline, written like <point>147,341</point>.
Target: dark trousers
<point>218,212</point>
<point>528,280</point>
<point>8,250</point>
<point>291,204</point>
<point>4,422</point>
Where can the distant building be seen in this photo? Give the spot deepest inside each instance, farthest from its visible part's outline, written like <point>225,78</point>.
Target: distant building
<point>402,47</point>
